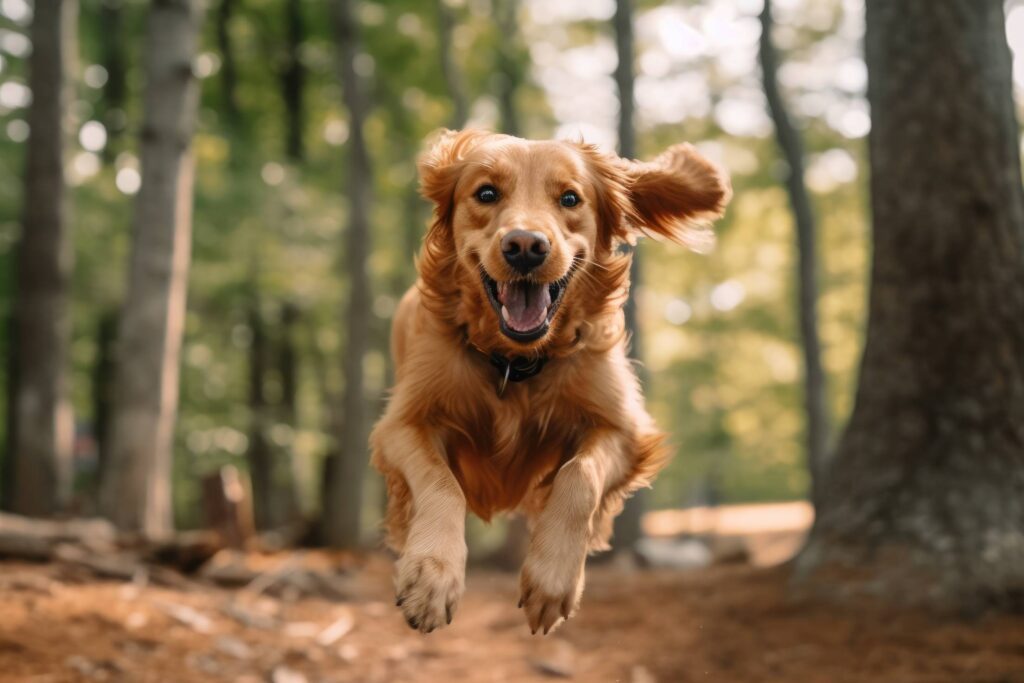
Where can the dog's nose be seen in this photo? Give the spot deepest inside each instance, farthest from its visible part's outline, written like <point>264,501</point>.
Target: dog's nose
<point>525,250</point>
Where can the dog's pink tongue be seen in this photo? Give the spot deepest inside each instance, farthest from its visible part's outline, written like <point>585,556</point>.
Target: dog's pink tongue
<point>525,305</point>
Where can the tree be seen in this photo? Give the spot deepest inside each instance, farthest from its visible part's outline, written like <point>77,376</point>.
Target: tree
<point>113,58</point>
<point>509,71</point>
<point>41,433</point>
<point>449,69</point>
<point>791,146</point>
<point>924,492</point>
<point>627,524</point>
<point>135,492</point>
<point>293,79</point>
<point>343,495</point>
<point>229,67</point>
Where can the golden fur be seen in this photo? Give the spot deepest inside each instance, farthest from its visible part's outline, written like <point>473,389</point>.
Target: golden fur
<point>567,446</point>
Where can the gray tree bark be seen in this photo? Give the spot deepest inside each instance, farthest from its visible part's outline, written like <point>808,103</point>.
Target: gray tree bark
<point>42,430</point>
<point>792,148</point>
<point>449,69</point>
<point>344,494</point>
<point>136,493</point>
<point>924,494</point>
<point>627,531</point>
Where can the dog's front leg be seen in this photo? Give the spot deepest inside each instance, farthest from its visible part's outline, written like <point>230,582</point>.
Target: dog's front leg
<point>552,578</point>
<point>430,574</point>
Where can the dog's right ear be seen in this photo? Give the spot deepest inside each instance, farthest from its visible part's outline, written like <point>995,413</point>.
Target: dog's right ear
<point>440,165</point>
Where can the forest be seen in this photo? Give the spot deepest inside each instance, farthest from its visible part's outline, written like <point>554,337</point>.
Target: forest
<point>210,211</point>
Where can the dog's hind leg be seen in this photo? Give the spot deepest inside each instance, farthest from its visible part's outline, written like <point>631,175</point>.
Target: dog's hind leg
<point>426,521</point>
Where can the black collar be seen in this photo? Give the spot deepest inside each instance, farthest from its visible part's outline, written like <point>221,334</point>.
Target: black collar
<point>517,368</point>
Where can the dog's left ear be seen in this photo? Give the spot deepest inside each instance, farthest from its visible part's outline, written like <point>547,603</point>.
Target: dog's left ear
<point>677,195</point>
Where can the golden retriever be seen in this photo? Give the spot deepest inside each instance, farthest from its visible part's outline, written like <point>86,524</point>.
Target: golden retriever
<point>513,390</point>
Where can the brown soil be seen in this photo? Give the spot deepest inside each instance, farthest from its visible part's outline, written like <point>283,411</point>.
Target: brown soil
<point>729,624</point>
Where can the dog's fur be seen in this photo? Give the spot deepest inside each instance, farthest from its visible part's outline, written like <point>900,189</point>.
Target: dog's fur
<point>566,446</point>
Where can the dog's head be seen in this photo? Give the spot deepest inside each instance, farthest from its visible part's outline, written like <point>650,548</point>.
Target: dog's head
<point>523,243</point>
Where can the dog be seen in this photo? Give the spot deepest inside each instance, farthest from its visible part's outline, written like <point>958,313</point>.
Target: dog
<point>513,390</point>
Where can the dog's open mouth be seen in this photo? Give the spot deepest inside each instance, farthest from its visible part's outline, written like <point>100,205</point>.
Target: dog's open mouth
<point>525,308</point>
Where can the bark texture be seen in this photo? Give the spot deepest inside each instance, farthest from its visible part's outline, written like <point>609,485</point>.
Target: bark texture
<point>42,430</point>
<point>792,148</point>
<point>925,489</point>
<point>136,493</point>
<point>627,529</point>
<point>344,494</point>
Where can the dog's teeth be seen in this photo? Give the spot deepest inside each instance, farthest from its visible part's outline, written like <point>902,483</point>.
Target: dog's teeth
<point>505,314</point>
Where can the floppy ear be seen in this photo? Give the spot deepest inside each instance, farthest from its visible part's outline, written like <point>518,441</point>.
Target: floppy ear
<point>440,165</point>
<point>677,195</point>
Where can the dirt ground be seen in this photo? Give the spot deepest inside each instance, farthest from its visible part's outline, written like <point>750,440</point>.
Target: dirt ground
<point>727,623</point>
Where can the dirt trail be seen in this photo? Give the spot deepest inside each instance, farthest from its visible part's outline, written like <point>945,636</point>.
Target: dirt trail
<point>728,624</point>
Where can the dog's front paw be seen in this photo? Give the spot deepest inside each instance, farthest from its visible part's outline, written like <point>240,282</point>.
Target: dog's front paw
<point>550,592</point>
<point>428,590</point>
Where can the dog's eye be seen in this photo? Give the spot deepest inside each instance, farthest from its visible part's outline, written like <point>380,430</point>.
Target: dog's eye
<point>569,199</point>
<point>487,194</point>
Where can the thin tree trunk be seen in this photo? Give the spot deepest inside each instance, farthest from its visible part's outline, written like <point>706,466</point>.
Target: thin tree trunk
<point>136,493</point>
<point>288,368</point>
<point>509,74</point>
<point>343,503</point>
<point>43,428</point>
<point>259,454</point>
<point>923,496</point>
<point>449,69</point>
<point>293,78</point>
<point>113,58</point>
<point>791,146</point>
<point>103,388</point>
<point>627,531</point>
<point>228,67</point>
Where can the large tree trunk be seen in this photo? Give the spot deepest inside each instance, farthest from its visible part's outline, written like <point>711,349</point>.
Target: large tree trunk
<point>924,493</point>
<point>293,78</point>
<point>42,429</point>
<point>627,529</point>
<point>449,69</point>
<point>344,497</point>
<point>792,148</point>
<point>135,494</point>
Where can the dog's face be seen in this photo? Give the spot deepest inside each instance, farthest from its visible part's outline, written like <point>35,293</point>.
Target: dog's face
<point>529,228</point>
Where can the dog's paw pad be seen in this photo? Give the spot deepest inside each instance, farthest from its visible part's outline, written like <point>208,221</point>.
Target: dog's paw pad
<point>428,591</point>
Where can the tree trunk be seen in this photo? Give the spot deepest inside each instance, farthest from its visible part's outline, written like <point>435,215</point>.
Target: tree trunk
<point>792,148</point>
<point>113,58</point>
<point>924,493</point>
<point>259,454</point>
<point>293,78</point>
<point>449,68</point>
<point>344,499</point>
<point>228,67</point>
<point>103,388</point>
<point>509,74</point>
<point>42,431</point>
<point>627,529</point>
<point>136,493</point>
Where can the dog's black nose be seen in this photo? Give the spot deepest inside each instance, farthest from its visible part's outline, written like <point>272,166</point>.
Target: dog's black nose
<point>525,250</point>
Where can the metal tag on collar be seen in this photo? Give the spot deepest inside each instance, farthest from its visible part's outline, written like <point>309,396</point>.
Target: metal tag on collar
<point>504,380</point>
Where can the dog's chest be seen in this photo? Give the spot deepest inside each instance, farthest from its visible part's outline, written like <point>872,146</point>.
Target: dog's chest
<point>507,448</point>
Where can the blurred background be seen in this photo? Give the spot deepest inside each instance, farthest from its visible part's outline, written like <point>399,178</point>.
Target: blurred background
<point>303,120</point>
